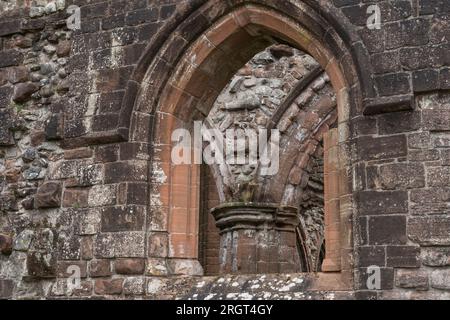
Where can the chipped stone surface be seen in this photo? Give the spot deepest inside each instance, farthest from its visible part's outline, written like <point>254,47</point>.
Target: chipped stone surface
<point>48,195</point>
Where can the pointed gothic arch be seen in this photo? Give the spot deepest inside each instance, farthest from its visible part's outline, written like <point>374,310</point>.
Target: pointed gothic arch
<point>173,92</point>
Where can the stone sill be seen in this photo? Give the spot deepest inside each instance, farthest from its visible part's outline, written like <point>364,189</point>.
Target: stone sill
<point>265,286</point>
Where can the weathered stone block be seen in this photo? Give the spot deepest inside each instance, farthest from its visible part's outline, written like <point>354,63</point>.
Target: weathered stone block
<point>69,246</point>
<point>435,257</point>
<point>54,127</point>
<point>23,240</point>
<point>159,216</point>
<point>158,244</point>
<point>48,195</point>
<point>366,295</point>
<point>108,287</point>
<point>23,92</point>
<point>156,285</point>
<point>5,99</point>
<point>10,58</point>
<point>423,155</point>
<point>412,279</point>
<point>386,62</point>
<point>420,140</point>
<point>113,22</point>
<point>10,27</point>
<point>6,244</point>
<point>74,128</point>
<point>87,221</point>
<point>440,140</point>
<point>6,288</point>
<point>438,176</point>
<point>112,80</point>
<point>397,10</point>
<point>185,267</point>
<point>137,193</point>
<point>78,153</point>
<point>123,218</point>
<point>63,48</point>
<point>430,201</point>
<point>103,246</point>
<point>41,265</point>
<point>134,286</point>
<point>356,14</point>
<point>370,148</point>
<point>364,126</point>
<point>372,255</point>
<point>133,53</point>
<point>400,33</point>
<point>130,266</point>
<point>130,151</point>
<point>3,77</point>
<point>111,101</point>
<point>87,248</point>
<point>90,174</point>
<point>105,122</point>
<point>157,267</point>
<point>341,3</point>
<point>18,74</point>
<point>129,244</point>
<point>401,176</point>
<point>387,230</point>
<point>102,195</point>
<point>100,268</point>
<point>8,201</point>
<point>382,202</point>
<point>120,244</point>
<point>398,122</point>
<point>445,157</point>
<point>141,16</point>
<point>403,256</point>
<point>432,230</point>
<point>436,119</point>
<point>166,11</point>
<point>84,290</point>
<point>23,42</point>
<point>107,153</point>
<point>440,279</point>
<point>6,136</point>
<point>425,80</point>
<point>393,84</point>
<point>444,78</point>
<point>76,198</point>
<point>125,171</point>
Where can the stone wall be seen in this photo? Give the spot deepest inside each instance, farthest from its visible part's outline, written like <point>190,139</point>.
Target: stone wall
<point>403,201</point>
<point>83,182</point>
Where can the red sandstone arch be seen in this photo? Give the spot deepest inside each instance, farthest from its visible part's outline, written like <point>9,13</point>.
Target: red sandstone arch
<point>211,61</point>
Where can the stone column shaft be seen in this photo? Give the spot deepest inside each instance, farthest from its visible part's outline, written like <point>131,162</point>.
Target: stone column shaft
<point>257,238</point>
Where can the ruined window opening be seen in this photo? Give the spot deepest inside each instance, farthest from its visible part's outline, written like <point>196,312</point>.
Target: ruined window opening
<point>194,84</point>
<point>252,98</point>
